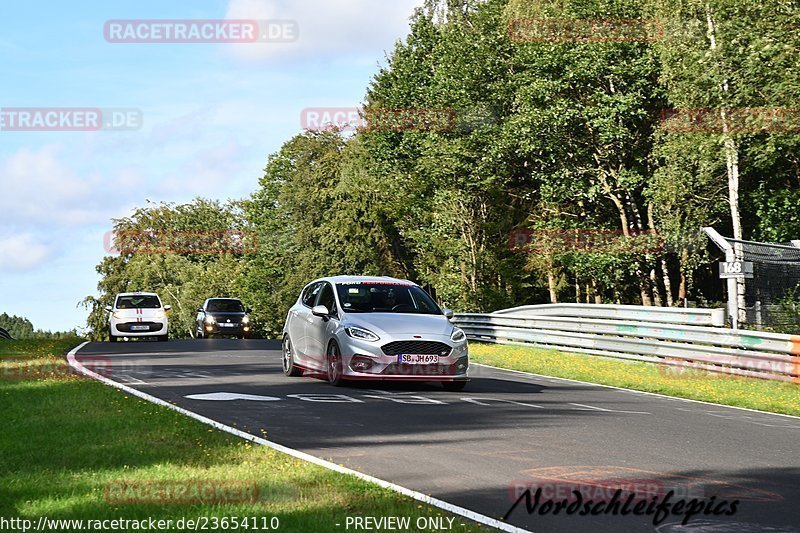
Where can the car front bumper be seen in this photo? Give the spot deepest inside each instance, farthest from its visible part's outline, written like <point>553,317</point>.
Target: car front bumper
<point>216,329</point>
<point>380,360</point>
<point>123,328</point>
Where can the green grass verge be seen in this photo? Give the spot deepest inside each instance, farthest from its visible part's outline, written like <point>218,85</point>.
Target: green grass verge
<point>65,439</point>
<point>753,393</point>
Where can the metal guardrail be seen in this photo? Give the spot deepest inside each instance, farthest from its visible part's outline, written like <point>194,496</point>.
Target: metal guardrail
<point>640,313</point>
<point>745,353</point>
<point>5,335</point>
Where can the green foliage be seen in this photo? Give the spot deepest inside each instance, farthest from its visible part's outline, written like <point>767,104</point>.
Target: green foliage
<point>546,136</point>
<point>21,328</point>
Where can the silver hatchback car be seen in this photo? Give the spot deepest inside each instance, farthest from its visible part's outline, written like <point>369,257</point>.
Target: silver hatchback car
<point>374,328</point>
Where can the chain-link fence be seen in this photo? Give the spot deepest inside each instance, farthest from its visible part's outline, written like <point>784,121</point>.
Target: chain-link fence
<point>772,295</point>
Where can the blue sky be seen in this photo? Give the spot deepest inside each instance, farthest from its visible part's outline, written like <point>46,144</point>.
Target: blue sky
<point>212,114</point>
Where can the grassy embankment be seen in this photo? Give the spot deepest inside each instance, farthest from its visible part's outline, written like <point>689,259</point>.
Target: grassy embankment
<point>753,393</point>
<point>68,440</point>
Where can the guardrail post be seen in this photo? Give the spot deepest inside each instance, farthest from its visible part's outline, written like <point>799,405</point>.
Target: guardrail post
<point>730,256</point>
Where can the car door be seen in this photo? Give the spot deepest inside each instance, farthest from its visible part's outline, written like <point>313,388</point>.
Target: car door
<point>299,316</point>
<point>318,327</point>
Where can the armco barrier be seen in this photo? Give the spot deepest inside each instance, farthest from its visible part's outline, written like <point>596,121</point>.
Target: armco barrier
<point>745,353</point>
<point>640,313</point>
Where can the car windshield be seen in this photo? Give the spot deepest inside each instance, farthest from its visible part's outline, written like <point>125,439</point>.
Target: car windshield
<point>385,297</point>
<point>225,306</point>
<point>138,301</point>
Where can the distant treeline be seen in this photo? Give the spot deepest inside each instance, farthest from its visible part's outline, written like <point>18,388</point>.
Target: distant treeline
<point>516,157</point>
<point>22,328</point>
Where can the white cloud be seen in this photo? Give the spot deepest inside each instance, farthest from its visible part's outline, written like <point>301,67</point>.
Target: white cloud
<point>357,29</point>
<point>22,252</point>
<point>37,186</point>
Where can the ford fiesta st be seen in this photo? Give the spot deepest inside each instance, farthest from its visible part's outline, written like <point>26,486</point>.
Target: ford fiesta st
<point>137,314</point>
<point>376,328</point>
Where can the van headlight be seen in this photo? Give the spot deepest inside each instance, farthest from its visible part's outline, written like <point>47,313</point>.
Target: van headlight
<point>361,333</point>
<point>457,335</point>
<point>210,319</point>
<point>246,320</point>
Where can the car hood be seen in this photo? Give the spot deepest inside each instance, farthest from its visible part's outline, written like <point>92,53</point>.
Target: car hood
<point>144,314</point>
<point>401,323</point>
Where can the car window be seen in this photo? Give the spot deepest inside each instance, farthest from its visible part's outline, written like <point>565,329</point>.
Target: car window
<point>225,306</point>
<point>326,298</point>
<point>138,301</point>
<point>385,297</point>
<point>310,294</point>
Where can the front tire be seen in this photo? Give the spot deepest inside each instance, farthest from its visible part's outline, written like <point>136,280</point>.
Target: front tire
<point>112,338</point>
<point>334,364</point>
<point>163,338</point>
<point>287,357</point>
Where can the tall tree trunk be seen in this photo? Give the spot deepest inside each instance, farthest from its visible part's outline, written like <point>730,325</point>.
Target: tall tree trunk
<point>597,297</point>
<point>664,266</point>
<point>551,286</point>
<point>732,164</point>
<point>667,282</point>
<point>683,287</point>
<point>654,284</point>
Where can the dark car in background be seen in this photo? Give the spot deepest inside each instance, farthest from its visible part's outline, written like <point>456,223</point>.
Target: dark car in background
<point>223,317</point>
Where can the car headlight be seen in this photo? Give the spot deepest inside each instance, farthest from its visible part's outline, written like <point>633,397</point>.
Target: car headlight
<point>161,314</point>
<point>246,320</point>
<point>116,314</point>
<point>361,333</point>
<point>210,319</point>
<point>457,335</point>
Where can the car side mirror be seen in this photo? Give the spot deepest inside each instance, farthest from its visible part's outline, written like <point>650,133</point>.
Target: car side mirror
<point>109,308</point>
<point>167,307</point>
<point>320,310</point>
<point>448,313</point>
<point>248,310</point>
<point>200,310</point>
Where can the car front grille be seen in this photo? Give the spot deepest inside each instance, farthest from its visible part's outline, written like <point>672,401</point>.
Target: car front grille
<point>416,348</point>
<point>399,369</point>
<point>151,326</point>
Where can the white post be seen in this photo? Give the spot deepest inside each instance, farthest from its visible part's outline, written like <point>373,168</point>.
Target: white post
<point>730,256</point>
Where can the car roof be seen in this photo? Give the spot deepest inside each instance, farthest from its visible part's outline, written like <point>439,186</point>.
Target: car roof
<point>222,298</point>
<point>361,279</point>
<point>137,294</point>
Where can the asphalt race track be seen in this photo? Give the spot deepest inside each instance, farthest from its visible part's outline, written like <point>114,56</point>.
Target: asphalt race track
<point>506,431</point>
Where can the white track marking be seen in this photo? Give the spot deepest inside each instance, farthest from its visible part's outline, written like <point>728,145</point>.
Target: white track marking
<point>664,396</point>
<point>424,498</point>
